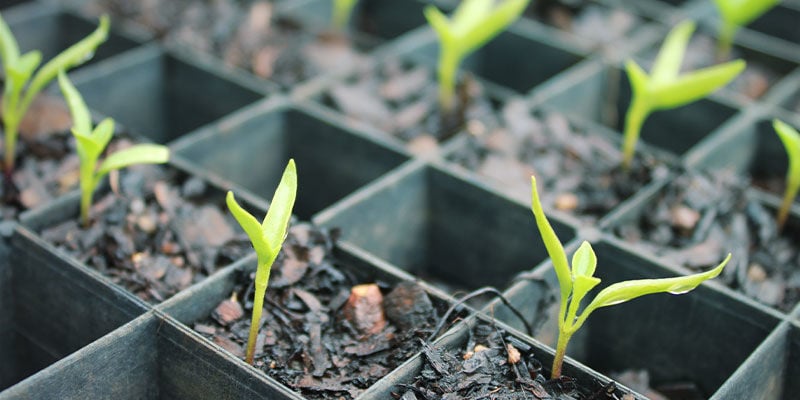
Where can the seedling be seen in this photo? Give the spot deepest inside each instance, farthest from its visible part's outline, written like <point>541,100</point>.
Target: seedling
<point>665,88</point>
<point>791,142</point>
<point>267,238</point>
<point>19,69</point>
<point>473,23</point>
<point>577,281</point>
<point>91,143</point>
<point>736,14</point>
<point>341,13</point>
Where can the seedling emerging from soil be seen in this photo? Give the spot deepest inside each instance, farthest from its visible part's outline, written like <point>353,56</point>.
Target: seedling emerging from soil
<point>19,69</point>
<point>91,143</point>
<point>577,281</point>
<point>267,238</point>
<point>473,23</point>
<point>665,88</point>
<point>341,13</point>
<point>736,14</point>
<point>791,141</point>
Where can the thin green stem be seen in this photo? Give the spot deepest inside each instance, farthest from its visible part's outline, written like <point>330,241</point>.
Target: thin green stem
<point>255,322</point>
<point>786,205</point>
<point>11,127</point>
<point>448,67</point>
<point>634,119</point>
<point>561,351</point>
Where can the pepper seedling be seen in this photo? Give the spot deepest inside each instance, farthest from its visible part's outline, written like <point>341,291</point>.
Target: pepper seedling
<point>19,69</point>
<point>736,14</point>
<point>666,88</point>
<point>577,281</point>
<point>342,9</point>
<point>791,142</point>
<point>91,143</point>
<point>472,25</point>
<point>267,238</point>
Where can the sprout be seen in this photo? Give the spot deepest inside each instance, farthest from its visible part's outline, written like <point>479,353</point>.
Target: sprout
<point>474,23</point>
<point>791,142</point>
<point>91,143</point>
<point>341,13</point>
<point>577,281</point>
<point>736,14</point>
<point>267,238</point>
<point>19,69</point>
<point>665,88</point>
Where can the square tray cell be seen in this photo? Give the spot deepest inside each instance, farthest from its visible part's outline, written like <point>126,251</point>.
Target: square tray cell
<point>602,94</point>
<point>149,358</point>
<point>442,228</point>
<point>517,59</point>
<point>700,337</point>
<point>51,32</point>
<point>161,96</point>
<point>331,160</point>
<point>49,308</point>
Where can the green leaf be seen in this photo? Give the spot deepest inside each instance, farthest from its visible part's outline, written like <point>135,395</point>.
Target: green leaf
<point>554,247</point>
<point>280,209</point>
<point>495,22</point>
<point>582,285</point>
<point>138,154</point>
<point>252,227</point>
<point>742,12</point>
<point>584,261</point>
<point>81,119</point>
<point>87,146</point>
<point>103,132</point>
<point>668,61</point>
<point>791,142</point>
<point>76,54</point>
<point>23,68</point>
<point>9,49</point>
<point>629,290</point>
<point>439,23</point>
<point>468,15</point>
<point>695,85</point>
<point>637,77</point>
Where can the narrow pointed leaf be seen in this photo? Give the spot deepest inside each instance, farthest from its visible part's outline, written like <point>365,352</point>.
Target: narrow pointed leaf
<point>22,70</point>
<point>280,209</point>
<point>584,261</point>
<point>695,85</point>
<point>637,77</point>
<point>552,244</point>
<point>582,285</point>
<point>668,62</point>
<point>252,227</point>
<point>87,146</point>
<point>791,142</point>
<point>629,290</point>
<point>742,12</point>
<point>103,132</point>
<point>9,49</point>
<point>138,154</point>
<point>439,23</point>
<point>469,14</point>
<point>499,19</point>
<point>81,120</point>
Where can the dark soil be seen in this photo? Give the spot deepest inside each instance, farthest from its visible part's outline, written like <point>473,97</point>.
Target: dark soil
<point>578,171</point>
<point>244,33</point>
<point>701,217</point>
<point>403,100</point>
<point>163,232</point>
<point>493,365</point>
<point>324,332</point>
<point>602,26</point>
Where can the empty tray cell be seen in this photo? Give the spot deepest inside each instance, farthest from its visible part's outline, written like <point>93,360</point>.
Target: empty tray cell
<point>52,32</point>
<point>604,95</point>
<point>150,358</point>
<point>161,96</point>
<point>695,340</point>
<point>443,229</point>
<point>50,308</point>
<point>331,161</point>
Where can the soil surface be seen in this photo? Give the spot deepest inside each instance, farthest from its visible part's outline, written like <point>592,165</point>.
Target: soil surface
<point>324,332</point>
<point>163,232</point>
<point>493,364</point>
<point>578,170</point>
<point>601,26</point>
<point>244,33</point>
<point>403,99</point>
<point>701,217</point>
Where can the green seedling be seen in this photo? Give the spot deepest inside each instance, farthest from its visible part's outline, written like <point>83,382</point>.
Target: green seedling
<point>666,88</point>
<point>473,23</point>
<point>19,93</point>
<point>267,238</point>
<point>342,9</point>
<point>576,282</point>
<point>736,14</point>
<point>92,142</point>
<point>791,142</point>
